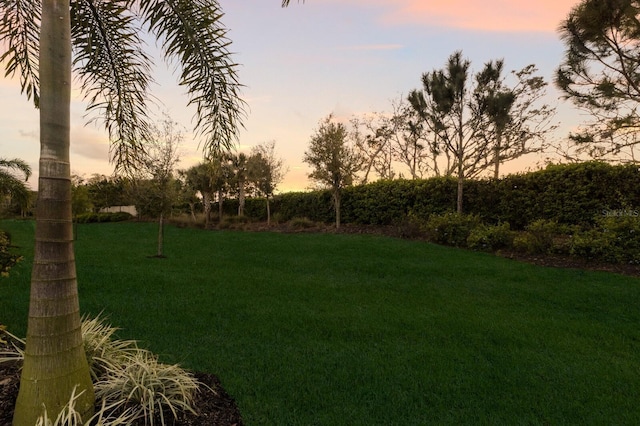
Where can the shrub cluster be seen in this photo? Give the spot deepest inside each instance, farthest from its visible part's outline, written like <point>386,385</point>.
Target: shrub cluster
<point>7,259</point>
<point>102,217</point>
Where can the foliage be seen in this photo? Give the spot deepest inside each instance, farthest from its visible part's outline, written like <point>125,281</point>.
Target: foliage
<point>131,385</point>
<point>479,124</point>
<point>148,388</point>
<point>451,229</point>
<point>333,161</point>
<point>233,222</point>
<point>599,74</point>
<point>302,223</point>
<point>538,237</point>
<point>7,259</point>
<point>104,191</point>
<point>614,239</point>
<point>13,177</point>
<point>491,237</point>
<point>103,217</point>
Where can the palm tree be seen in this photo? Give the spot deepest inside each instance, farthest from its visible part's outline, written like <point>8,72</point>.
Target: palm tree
<point>100,39</point>
<point>13,185</point>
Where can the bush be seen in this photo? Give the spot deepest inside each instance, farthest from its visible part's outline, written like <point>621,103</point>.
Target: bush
<point>302,223</point>
<point>7,259</point>
<point>452,229</point>
<point>542,236</point>
<point>491,238</point>
<point>103,217</point>
<point>613,239</point>
<point>234,222</point>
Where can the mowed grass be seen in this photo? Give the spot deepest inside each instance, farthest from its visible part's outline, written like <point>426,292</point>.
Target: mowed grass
<point>361,330</point>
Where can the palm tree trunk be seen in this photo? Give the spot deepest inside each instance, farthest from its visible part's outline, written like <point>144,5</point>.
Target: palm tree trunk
<point>55,362</point>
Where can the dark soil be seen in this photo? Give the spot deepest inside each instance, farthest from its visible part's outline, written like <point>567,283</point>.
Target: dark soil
<point>213,405</point>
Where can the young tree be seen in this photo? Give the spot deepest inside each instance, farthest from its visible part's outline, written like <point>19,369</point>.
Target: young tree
<point>36,39</point>
<point>266,171</point>
<point>600,73</point>
<point>155,185</point>
<point>334,162</point>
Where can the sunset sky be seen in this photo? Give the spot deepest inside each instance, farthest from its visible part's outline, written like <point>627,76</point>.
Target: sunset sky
<point>346,57</point>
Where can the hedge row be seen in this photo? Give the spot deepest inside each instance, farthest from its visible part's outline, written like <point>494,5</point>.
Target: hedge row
<point>574,194</point>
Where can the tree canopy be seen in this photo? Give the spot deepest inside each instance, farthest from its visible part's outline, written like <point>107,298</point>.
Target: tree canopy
<point>600,73</point>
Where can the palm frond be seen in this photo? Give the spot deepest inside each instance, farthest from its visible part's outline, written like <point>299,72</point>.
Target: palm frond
<point>192,34</point>
<point>114,71</point>
<point>16,164</point>
<point>19,35</point>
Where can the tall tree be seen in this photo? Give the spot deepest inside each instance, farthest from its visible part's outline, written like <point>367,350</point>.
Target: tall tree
<point>334,162</point>
<point>600,73</point>
<point>512,120</point>
<point>266,171</point>
<point>36,38</point>
<point>443,105</point>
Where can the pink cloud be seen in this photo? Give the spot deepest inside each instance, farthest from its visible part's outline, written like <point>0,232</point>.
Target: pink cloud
<point>487,15</point>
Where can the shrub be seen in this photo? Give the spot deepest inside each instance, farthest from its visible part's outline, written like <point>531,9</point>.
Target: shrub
<point>542,236</point>
<point>147,388</point>
<point>103,217</point>
<point>302,223</point>
<point>452,229</point>
<point>233,222</point>
<point>491,238</point>
<point>7,260</point>
<point>613,239</point>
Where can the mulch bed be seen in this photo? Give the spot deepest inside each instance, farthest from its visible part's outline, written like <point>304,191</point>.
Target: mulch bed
<point>214,406</point>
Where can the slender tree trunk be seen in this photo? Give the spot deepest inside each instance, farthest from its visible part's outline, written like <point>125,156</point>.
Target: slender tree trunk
<point>336,201</point>
<point>161,235</point>
<point>192,209</point>
<point>206,200</point>
<point>460,193</point>
<point>460,181</point>
<point>497,151</point>
<point>241,198</point>
<point>268,212</point>
<point>220,200</point>
<point>54,362</point>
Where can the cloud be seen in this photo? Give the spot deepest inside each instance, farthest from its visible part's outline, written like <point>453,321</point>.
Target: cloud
<point>488,15</point>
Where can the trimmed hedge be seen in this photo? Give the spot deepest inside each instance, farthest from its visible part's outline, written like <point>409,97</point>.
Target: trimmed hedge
<point>573,194</point>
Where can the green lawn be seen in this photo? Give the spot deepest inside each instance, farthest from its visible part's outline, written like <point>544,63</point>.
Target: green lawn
<point>360,330</point>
